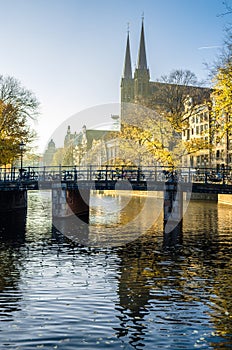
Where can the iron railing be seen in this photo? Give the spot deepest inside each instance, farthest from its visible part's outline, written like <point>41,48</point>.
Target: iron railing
<point>112,173</point>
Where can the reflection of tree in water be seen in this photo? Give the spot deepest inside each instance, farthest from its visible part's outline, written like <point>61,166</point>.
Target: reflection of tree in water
<point>12,237</point>
<point>207,249</point>
<point>190,277</point>
<point>73,227</point>
<point>220,300</point>
<point>134,295</point>
<point>142,273</point>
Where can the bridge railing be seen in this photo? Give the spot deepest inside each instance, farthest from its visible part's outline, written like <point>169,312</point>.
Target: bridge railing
<point>112,173</point>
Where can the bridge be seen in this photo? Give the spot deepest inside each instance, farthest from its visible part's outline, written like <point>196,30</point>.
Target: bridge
<point>149,178</point>
<point>71,186</point>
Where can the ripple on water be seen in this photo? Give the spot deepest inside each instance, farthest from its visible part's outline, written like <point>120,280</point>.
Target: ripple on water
<point>57,294</point>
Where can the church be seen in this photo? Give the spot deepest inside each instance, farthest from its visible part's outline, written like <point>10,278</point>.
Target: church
<point>138,89</point>
<point>139,86</point>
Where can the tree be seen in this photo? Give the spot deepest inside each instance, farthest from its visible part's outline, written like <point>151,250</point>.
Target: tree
<point>221,74</point>
<point>157,127</point>
<point>228,8</point>
<point>222,93</point>
<point>58,157</point>
<point>17,105</point>
<point>177,96</point>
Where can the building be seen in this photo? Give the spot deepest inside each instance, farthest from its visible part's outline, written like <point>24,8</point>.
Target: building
<point>93,146</point>
<point>103,146</point>
<point>199,126</point>
<point>49,153</point>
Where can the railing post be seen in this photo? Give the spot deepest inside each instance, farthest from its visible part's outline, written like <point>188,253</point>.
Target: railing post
<point>60,172</point>
<point>223,174</point>
<point>122,172</point>
<point>138,174</point>
<point>155,173</point>
<point>44,173</point>
<point>75,173</point>
<point>206,176</point>
<point>106,172</point>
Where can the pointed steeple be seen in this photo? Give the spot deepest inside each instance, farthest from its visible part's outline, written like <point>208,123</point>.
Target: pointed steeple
<point>127,73</point>
<point>142,59</point>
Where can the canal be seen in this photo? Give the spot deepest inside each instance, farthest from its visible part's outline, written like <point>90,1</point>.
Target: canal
<point>119,283</point>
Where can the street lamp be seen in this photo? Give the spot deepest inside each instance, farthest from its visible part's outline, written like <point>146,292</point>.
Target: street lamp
<point>22,148</point>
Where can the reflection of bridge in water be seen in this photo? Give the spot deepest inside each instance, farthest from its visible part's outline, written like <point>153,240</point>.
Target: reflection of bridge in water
<point>71,186</point>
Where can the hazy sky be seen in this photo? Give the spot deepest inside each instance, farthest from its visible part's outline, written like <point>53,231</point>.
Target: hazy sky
<point>70,53</point>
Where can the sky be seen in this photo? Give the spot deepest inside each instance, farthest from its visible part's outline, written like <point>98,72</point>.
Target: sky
<point>70,53</point>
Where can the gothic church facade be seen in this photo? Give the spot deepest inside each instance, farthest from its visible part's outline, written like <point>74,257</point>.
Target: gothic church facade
<point>137,88</point>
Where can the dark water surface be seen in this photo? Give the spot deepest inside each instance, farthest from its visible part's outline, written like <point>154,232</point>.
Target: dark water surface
<point>152,293</point>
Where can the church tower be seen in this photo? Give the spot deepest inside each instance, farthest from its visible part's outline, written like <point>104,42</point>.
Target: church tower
<point>141,75</point>
<point>127,83</point>
<point>137,88</point>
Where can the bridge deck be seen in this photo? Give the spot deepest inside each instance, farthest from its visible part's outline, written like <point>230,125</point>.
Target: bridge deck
<point>118,185</point>
<point>109,178</point>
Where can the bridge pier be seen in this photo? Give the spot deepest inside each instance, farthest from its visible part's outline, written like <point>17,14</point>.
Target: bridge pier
<point>173,208</point>
<point>13,200</point>
<point>70,201</point>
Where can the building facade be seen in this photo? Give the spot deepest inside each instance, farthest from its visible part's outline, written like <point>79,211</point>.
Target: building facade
<point>199,127</point>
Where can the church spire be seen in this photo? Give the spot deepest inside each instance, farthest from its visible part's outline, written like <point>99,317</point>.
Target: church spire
<point>142,59</point>
<point>127,73</point>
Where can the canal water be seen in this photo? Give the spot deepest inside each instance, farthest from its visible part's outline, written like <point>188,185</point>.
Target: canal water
<point>150,292</point>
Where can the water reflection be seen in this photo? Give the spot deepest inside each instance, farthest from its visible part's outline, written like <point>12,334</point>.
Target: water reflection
<point>13,226</point>
<point>150,293</point>
<point>176,281</point>
<point>117,219</point>
<point>73,227</point>
<point>12,238</point>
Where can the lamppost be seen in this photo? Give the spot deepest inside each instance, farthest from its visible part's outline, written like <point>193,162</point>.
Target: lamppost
<point>22,148</point>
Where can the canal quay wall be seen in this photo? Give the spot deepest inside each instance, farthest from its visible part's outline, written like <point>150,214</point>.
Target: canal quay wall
<point>202,197</point>
<point>225,199</point>
<point>218,198</point>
